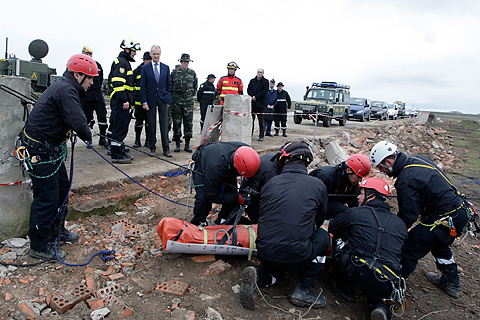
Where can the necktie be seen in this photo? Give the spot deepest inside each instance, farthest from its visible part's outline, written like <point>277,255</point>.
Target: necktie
<point>157,74</point>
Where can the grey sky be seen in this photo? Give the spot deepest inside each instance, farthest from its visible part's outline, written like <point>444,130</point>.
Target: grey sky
<point>423,52</point>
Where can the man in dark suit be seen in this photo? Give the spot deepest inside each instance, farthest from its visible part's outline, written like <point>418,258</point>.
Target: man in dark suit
<point>156,91</point>
<point>257,89</point>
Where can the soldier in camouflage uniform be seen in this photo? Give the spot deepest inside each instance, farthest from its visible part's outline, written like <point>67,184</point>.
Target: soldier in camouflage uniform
<point>184,81</point>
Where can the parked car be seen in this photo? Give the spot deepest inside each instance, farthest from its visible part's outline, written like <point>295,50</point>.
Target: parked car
<point>379,110</point>
<point>360,109</point>
<point>392,111</point>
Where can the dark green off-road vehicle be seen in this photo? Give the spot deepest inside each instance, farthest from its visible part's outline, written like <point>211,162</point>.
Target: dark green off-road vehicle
<point>323,102</point>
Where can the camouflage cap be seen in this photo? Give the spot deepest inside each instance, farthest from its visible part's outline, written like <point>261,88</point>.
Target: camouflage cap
<point>185,57</point>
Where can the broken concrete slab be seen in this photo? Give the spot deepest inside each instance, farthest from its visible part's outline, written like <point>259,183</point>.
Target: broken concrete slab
<point>335,154</point>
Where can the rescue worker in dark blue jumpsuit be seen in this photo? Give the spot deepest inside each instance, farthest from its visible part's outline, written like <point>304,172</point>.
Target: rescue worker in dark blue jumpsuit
<point>140,113</point>
<point>215,172</point>
<point>342,182</point>
<point>289,230</point>
<point>206,95</point>
<point>94,101</point>
<point>425,194</point>
<point>368,244</point>
<point>56,113</point>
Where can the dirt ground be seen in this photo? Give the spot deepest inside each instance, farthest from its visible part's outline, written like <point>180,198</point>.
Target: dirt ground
<point>122,216</point>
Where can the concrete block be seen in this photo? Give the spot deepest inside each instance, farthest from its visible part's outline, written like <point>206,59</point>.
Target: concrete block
<point>15,200</point>
<point>237,120</point>
<point>335,154</point>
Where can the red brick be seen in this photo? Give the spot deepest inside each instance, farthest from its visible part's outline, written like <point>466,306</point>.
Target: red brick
<point>173,286</point>
<point>23,280</point>
<point>25,310</point>
<point>4,250</point>
<point>96,304</point>
<point>204,258</point>
<point>8,296</point>
<point>116,276</point>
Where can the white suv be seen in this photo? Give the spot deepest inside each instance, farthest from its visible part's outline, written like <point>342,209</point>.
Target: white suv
<point>392,111</point>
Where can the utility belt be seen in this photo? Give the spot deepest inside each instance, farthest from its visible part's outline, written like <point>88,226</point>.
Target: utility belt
<point>444,220</point>
<point>397,301</point>
<point>38,145</point>
<point>34,152</point>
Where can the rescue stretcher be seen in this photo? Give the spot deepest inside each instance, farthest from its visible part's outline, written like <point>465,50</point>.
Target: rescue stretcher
<point>183,237</point>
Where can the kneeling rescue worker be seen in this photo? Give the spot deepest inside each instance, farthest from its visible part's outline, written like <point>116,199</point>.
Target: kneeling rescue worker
<point>343,179</point>
<point>215,171</point>
<point>55,115</point>
<point>425,194</point>
<point>289,230</point>
<point>368,247</point>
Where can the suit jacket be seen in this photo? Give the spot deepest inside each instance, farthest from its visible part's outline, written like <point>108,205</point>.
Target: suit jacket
<point>149,89</point>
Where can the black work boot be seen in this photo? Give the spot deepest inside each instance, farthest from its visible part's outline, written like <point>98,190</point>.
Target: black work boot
<point>119,155</point>
<point>248,288</point>
<point>102,142</point>
<point>48,254</point>
<point>380,312</point>
<point>304,297</point>
<point>138,134</point>
<point>276,132</point>
<point>103,131</point>
<point>187,146</point>
<point>451,287</point>
<point>284,133</point>
<point>177,148</point>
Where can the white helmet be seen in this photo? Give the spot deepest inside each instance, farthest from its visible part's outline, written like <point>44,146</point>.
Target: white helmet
<point>130,44</point>
<point>382,150</point>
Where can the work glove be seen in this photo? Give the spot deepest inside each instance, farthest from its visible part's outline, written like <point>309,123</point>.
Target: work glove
<point>244,199</point>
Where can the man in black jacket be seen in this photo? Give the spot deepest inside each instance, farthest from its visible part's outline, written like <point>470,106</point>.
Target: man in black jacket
<point>257,89</point>
<point>55,115</point>
<point>269,168</point>
<point>121,84</point>
<point>369,242</point>
<point>94,101</point>
<point>205,95</point>
<point>289,230</point>
<point>343,179</point>
<point>139,112</point>
<point>215,172</point>
<point>425,193</point>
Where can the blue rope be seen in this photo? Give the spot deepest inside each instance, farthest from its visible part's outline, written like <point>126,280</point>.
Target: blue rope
<point>141,185</point>
<point>103,254</point>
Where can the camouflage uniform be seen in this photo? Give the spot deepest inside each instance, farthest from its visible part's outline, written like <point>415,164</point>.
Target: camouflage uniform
<point>184,88</point>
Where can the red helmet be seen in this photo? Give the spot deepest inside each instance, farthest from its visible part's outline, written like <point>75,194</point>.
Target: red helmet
<point>360,164</point>
<point>380,185</point>
<point>82,63</point>
<point>246,161</point>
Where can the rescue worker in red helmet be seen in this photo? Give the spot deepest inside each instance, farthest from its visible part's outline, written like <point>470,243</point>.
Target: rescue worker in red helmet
<point>56,113</point>
<point>342,182</point>
<point>368,245</point>
<point>229,84</point>
<point>292,210</point>
<point>215,172</point>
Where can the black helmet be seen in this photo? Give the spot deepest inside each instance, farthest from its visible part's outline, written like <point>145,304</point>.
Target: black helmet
<point>147,56</point>
<point>296,150</point>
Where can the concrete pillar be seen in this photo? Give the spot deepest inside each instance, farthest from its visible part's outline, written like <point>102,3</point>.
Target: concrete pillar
<point>15,200</point>
<point>237,121</point>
